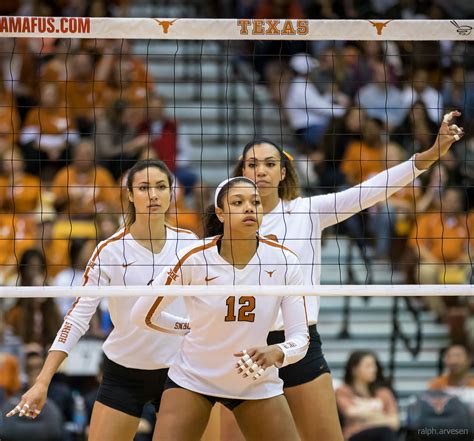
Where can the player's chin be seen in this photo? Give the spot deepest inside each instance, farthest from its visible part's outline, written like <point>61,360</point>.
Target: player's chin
<point>248,226</point>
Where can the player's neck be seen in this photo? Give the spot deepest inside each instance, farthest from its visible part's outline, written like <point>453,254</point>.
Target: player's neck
<point>149,232</point>
<point>238,251</point>
<point>269,202</point>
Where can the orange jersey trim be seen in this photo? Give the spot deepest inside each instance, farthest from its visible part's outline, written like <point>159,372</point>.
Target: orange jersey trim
<point>275,244</point>
<point>93,259</point>
<point>179,230</point>
<point>169,280</point>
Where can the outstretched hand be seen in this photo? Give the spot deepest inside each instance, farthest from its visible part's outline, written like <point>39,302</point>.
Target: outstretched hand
<point>448,134</point>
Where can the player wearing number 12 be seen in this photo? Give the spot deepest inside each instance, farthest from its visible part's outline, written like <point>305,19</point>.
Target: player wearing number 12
<point>224,356</point>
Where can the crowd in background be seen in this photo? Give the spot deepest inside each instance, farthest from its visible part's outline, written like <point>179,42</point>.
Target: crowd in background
<point>76,114</point>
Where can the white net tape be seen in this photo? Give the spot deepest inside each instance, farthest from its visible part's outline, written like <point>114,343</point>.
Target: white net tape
<point>275,290</point>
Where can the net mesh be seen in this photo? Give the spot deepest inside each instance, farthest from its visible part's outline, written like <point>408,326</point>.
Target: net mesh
<point>81,104</point>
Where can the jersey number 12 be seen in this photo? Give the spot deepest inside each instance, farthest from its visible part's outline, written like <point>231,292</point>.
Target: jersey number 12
<point>245,313</point>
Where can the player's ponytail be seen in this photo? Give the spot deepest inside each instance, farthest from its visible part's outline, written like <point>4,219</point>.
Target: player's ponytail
<point>212,225</point>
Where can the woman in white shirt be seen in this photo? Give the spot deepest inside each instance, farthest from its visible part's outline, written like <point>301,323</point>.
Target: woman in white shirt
<point>136,361</point>
<point>224,356</point>
<point>298,222</point>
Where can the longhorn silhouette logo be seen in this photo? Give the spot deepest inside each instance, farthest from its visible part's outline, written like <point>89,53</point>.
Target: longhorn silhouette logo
<point>165,24</point>
<point>379,25</point>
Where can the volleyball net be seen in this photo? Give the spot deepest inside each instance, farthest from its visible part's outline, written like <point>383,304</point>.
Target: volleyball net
<point>82,99</point>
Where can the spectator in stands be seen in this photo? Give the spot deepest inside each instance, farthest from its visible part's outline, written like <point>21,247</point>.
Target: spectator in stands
<point>382,99</point>
<point>35,320</point>
<point>356,68</point>
<point>17,234</point>
<point>48,426</point>
<point>117,127</point>
<point>19,191</point>
<point>419,89</point>
<point>9,376</point>
<point>417,132</point>
<point>458,92</point>
<point>106,224</point>
<point>82,188</point>
<point>269,57</point>
<point>367,406</point>
<point>335,142</point>
<point>362,160</point>
<point>47,133</point>
<point>440,241</point>
<point>79,252</point>
<point>85,88</point>
<point>56,249</point>
<point>376,51</point>
<point>309,111</point>
<point>166,137</point>
<point>457,379</point>
<point>406,203</point>
<point>464,166</point>
<point>9,118</point>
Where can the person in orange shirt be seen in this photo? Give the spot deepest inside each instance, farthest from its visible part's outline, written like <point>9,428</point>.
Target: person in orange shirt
<point>9,374</point>
<point>9,119</point>
<point>85,88</point>
<point>470,227</point>
<point>364,159</point>
<point>19,191</point>
<point>457,379</point>
<point>47,134</point>
<point>440,241</point>
<point>83,188</point>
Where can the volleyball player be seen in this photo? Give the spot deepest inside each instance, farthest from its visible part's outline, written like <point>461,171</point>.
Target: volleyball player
<point>136,361</point>
<point>225,330</point>
<point>299,222</point>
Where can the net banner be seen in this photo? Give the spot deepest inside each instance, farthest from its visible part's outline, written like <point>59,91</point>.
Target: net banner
<point>236,29</point>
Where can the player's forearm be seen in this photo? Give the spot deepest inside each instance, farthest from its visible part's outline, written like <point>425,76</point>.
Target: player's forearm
<point>296,341</point>
<point>335,208</point>
<point>426,159</point>
<point>53,362</point>
<point>149,313</point>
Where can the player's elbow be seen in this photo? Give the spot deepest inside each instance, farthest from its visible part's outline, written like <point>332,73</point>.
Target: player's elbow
<point>138,316</point>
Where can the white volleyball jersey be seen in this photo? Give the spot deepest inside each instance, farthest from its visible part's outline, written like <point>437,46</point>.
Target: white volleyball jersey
<point>121,261</point>
<point>223,325</point>
<point>298,224</point>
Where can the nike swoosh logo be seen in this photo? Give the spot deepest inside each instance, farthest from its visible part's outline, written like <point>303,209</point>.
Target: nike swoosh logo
<point>124,265</point>
<point>208,279</point>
